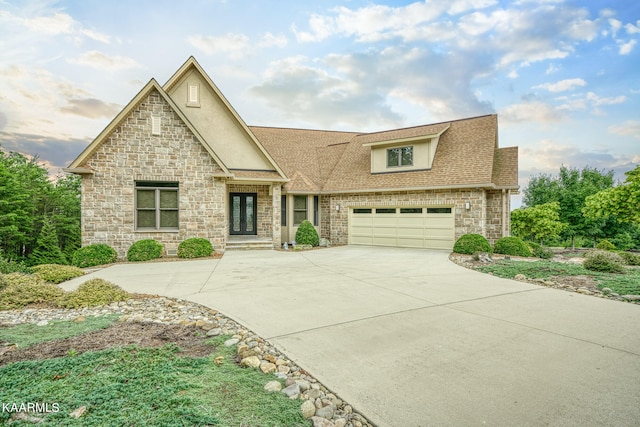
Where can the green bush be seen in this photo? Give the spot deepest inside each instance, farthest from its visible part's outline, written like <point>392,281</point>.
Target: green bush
<point>93,293</point>
<point>3,282</point>
<point>540,251</point>
<point>512,246</point>
<point>629,258</point>
<point>8,266</point>
<point>144,250</point>
<point>24,289</point>
<point>471,243</point>
<point>56,273</point>
<point>96,254</point>
<point>605,245</point>
<point>195,247</point>
<point>603,261</point>
<point>307,234</point>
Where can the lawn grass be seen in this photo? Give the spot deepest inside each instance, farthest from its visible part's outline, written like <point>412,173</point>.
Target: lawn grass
<point>148,387</point>
<point>27,334</point>
<point>623,284</point>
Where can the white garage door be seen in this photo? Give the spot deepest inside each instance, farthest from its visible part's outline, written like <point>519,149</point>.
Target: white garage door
<point>409,227</point>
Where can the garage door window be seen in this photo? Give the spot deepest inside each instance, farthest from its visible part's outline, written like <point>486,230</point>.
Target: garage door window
<point>438,210</point>
<point>410,210</point>
<point>386,210</point>
<point>361,211</point>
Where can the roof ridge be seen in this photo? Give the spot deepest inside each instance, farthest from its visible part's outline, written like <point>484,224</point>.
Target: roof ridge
<point>305,129</point>
<point>429,124</point>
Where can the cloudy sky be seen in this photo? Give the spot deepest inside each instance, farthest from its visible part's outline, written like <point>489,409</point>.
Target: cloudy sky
<point>563,76</point>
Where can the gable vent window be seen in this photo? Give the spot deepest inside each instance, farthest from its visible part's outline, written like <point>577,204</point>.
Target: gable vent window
<point>193,99</point>
<point>156,123</point>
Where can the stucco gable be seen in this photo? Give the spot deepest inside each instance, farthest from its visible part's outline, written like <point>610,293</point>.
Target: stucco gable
<point>201,101</point>
<point>80,163</point>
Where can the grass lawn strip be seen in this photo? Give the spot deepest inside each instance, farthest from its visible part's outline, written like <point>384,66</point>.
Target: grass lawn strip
<point>27,334</point>
<point>148,387</point>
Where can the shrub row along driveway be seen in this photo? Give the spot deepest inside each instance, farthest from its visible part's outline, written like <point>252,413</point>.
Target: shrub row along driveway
<point>411,339</point>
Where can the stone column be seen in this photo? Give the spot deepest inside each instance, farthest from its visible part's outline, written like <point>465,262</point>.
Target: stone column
<point>276,203</point>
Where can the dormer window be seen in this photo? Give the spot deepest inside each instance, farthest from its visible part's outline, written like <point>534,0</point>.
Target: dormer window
<point>400,156</point>
<point>193,96</point>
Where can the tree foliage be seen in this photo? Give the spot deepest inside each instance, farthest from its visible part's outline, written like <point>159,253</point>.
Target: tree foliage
<point>27,197</point>
<point>537,222</point>
<point>570,189</point>
<point>621,202</point>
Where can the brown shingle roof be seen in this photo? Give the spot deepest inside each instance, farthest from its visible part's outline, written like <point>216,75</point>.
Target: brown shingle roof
<point>325,161</point>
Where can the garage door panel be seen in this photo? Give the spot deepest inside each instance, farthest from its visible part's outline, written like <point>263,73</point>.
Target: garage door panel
<point>405,228</point>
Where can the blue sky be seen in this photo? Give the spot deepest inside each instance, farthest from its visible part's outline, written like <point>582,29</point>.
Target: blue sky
<point>563,76</point>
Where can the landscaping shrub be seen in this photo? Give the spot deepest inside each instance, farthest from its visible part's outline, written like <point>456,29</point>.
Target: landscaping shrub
<point>605,245</point>
<point>96,254</point>
<point>3,282</point>
<point>512,246</point>
<point>93,293</point>
<point>629,258</point>
<point>24,289</point>
<point>144,250</point>
<point>307,234</point>
<point>604,261</point>
<point>8,266</point>
<point>471,243</point>
<point>195,247</point>
<point>56,273</point>
<point>540,251</point>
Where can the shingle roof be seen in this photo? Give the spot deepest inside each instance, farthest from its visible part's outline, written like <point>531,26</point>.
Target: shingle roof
<point>325,161</point>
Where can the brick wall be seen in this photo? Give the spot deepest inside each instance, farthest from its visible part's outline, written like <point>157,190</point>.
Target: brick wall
<point>132,154</point>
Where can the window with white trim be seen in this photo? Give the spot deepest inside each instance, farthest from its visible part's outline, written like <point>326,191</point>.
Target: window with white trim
<point>156,205</point>
<point>299,209</point>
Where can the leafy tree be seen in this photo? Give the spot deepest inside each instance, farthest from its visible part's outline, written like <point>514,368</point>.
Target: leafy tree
<point>47,250</point>
<point>537,222</point>
<point>27,195</point>
<point>621,202</point>
<point>570,189</point>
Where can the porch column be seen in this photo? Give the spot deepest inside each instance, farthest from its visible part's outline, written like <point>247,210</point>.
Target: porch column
<point>276,199</point>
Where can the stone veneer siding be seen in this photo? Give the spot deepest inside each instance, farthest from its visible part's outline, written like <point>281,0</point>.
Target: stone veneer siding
<point>483,205</point>
<point>265,209</point>
<point>133,154</point>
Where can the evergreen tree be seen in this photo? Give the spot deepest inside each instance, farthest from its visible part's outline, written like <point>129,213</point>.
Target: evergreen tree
<point>47,249</point>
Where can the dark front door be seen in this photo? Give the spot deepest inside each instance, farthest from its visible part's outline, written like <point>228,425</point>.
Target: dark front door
<point>244,208</point>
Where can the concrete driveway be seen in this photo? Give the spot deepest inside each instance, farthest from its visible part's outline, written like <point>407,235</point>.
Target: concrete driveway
<point>411,339</point>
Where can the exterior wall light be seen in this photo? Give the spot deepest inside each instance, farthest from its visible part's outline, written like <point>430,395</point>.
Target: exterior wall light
<point>337,207</point>
<point>467,205</point>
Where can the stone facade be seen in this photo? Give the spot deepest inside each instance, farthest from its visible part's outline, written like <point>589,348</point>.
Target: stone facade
<point>132,154</point>
<point>482,204</point>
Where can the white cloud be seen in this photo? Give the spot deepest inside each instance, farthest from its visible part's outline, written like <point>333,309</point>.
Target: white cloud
<point>460,6</point>
<point>633,29</point>
<point>234,44</point>
<point>269,40</point>
<point>99,60</point>
<point>54,24</point>
<point>615,26</point>
<point>562,85</point>
<point>626,48</point>
<point>534,111</point>
<point>628,128</point>
<point>552,68</point>
<point>597,101</point>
